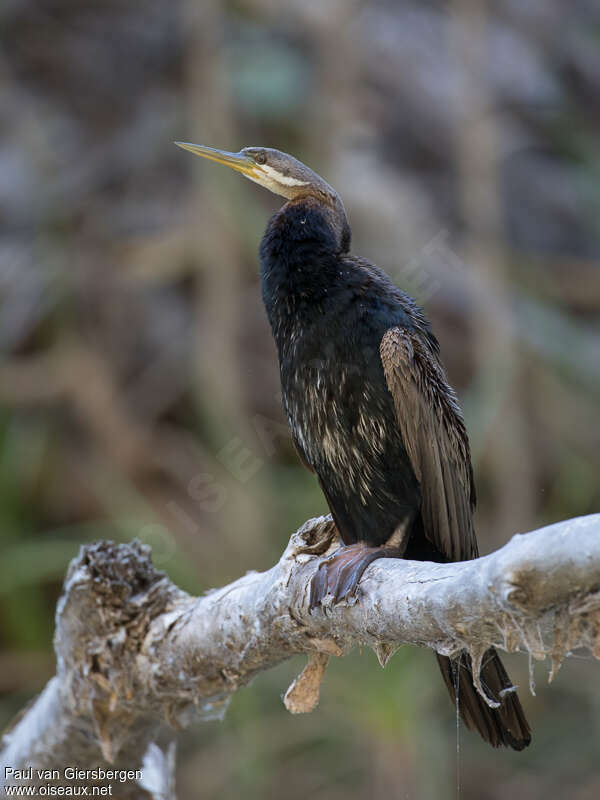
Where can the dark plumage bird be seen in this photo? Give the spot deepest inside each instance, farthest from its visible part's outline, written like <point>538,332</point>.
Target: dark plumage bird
<point>370,409</point>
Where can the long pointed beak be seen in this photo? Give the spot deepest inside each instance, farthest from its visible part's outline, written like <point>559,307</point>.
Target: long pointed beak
<point>238,161</point>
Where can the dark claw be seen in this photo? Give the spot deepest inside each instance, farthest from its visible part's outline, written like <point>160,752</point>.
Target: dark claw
<point>340,574</point>
<point>318,587</point>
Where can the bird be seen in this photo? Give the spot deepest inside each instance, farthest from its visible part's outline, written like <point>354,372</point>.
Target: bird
<point>371,411</point>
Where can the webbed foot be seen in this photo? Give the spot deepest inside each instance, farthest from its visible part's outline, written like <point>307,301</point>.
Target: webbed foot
<point>340,574</point>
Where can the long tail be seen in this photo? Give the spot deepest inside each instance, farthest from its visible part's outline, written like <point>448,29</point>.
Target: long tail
<point>505,726</point>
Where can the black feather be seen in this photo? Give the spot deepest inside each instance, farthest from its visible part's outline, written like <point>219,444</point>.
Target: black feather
<point>373,415</point>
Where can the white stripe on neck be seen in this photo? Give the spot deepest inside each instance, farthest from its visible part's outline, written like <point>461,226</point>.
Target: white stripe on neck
<point>275,175</point>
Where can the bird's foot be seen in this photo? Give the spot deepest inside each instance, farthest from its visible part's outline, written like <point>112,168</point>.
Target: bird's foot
<point>340,574</point>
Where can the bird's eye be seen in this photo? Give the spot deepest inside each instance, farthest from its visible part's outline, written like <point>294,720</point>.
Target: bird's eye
<point>260,158</point>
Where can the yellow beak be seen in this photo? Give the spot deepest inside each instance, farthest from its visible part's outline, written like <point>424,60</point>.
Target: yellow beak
<point>238,161</point>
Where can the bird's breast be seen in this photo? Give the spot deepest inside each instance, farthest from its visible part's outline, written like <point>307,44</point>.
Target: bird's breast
<point>342,418</point>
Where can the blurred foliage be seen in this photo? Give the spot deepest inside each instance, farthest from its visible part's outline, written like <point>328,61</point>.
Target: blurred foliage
<point>138,380</point>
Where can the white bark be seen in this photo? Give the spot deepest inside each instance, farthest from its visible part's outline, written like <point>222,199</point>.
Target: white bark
<point>137,657</point>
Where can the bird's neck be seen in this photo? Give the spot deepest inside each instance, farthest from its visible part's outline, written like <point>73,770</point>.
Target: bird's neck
<point>300,256</point>
<point>309,219</point>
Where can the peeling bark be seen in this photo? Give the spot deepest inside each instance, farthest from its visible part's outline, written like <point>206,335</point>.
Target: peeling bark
<point>137,658</point>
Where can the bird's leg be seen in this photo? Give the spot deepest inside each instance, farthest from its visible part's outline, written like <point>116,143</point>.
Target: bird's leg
<point>339,575</point>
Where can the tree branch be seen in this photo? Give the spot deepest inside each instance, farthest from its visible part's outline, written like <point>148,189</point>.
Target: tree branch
<point>137,657</point>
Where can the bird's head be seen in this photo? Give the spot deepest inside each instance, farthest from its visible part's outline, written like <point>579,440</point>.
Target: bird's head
<point>279,172</point>
<point>283,175</point>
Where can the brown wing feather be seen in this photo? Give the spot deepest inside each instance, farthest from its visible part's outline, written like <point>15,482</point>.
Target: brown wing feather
<point>435,438</point>
<point>436,441</point>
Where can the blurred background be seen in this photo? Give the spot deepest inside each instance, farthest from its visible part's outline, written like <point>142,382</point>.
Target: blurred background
<point>138,381</point>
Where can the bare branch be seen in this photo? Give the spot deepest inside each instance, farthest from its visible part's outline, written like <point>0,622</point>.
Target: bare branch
<point>138,658</point>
